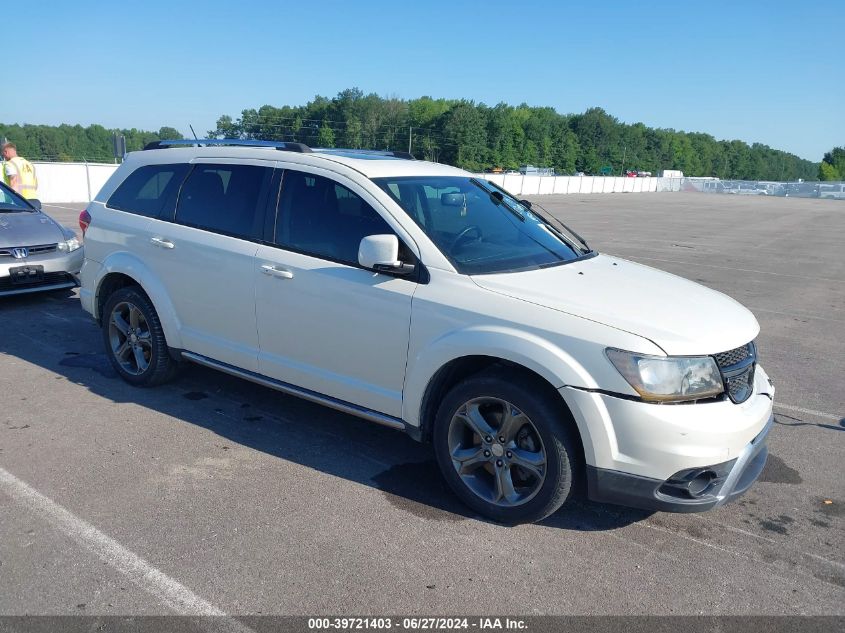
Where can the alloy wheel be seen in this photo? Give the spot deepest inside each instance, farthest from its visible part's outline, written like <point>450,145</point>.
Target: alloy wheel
<point>130,338</point>
<point>497,451</point>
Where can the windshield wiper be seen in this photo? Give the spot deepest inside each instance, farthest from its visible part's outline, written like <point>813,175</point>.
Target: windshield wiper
<point>548,218</point>
<point>499,199</point>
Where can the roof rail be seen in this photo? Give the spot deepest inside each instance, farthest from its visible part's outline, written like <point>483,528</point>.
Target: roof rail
<point>368,152</point>
<point>283,146</point>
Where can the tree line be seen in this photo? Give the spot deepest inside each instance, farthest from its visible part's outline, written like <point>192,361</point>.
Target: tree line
<point>76,143</point>
<point>475,136</point>
<point>458,132</point>
<point>832,166</point>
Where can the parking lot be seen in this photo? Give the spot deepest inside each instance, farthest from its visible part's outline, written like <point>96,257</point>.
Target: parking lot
<point>212,495</point>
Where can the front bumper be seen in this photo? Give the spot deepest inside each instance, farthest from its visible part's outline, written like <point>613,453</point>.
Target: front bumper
<point>645,455</point>
<point>61,270</point>
<point>718,483</point>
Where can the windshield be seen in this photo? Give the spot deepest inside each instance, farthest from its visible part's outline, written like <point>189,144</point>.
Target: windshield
<point>479,227</point>
<point>11,202</point>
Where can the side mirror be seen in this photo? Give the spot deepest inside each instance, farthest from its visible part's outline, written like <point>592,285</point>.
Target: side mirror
<point>35,202</point>
<point>381,253</point>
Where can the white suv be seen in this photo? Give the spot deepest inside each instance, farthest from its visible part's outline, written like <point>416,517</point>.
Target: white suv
<point>424,298</point>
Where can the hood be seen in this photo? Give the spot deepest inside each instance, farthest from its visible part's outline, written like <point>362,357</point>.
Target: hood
<point>680,316</point>
<point>29,229</point>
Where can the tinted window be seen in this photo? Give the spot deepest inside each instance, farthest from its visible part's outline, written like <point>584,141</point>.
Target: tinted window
<point>10,201</point>
<point>480,228</point>
<point>321,217</point>
<point>150,190</point>
<point>225,199</point>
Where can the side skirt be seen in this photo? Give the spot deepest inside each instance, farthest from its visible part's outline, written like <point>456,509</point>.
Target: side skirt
<point>299,392</point>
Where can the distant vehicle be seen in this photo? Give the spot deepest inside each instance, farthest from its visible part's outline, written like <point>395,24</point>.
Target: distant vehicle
<point>671,173</point>
<point>802,189</point>
<point>833,192</point>
<point>629,173</point>
<point>644,174</point>
<point>746,189</point>
<point>36,252</point>
<point>531,170</point>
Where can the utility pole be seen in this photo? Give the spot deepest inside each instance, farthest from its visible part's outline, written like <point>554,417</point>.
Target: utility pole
<point>410,136</point>
<point>624,149</point>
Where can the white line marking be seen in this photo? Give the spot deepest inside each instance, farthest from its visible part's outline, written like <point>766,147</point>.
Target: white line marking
<point>173,594</point>
<point>821,414</point>
<point>57,206</point>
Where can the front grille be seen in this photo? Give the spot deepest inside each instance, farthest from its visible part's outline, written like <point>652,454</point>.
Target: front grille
<point>33,250</point>
<point>735,356</point>
<point>741,385</point>
<point>47,280</point>
<point>737,369</point>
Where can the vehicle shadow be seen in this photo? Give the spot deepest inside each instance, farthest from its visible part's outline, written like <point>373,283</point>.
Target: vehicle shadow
<point>54,333</point>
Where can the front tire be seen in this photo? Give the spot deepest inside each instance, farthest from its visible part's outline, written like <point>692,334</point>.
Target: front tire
<point>506,448</point>
<point>134,339</point>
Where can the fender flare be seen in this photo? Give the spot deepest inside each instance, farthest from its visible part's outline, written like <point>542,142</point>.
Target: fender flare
<point>133,267</point>
<point>554,364</point>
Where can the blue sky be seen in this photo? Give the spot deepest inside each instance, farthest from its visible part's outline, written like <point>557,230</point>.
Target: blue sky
<point>770,72</point>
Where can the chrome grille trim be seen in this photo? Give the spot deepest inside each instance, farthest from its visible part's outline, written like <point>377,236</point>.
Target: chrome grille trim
<point>39,249</point>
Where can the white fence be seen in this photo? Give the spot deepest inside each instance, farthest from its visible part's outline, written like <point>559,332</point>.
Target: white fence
<point>80,182</point>
<point>525,185</point>
<point>71,182</point>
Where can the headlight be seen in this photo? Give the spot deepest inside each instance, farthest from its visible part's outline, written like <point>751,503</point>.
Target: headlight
<point>668,378</point>
<point>69,245</point>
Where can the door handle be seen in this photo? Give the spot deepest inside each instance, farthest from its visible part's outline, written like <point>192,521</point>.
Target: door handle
<point>161,242</point>
<point>269,269</point>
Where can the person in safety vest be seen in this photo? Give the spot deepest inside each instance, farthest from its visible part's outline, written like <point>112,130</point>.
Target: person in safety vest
<point>19,173</point>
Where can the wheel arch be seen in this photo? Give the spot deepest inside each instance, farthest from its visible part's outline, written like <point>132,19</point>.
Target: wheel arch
<point>465,348</point>
<point>122,270</point>
<point>457,357</point>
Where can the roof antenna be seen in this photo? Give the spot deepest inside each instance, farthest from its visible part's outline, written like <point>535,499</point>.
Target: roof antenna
<point>192,132</point>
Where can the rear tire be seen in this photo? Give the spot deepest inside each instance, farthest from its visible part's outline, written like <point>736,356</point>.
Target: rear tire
<point>506,448</point>
<point>134,339</point>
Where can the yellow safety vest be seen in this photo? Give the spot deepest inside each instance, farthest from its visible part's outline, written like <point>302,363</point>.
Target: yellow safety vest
<point>26,173</point>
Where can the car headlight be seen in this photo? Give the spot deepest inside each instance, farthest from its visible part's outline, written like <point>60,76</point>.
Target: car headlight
<point>668,378</point>
<point>69,245</point>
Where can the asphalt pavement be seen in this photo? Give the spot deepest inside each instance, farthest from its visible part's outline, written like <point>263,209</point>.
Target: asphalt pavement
<point>211,495</point>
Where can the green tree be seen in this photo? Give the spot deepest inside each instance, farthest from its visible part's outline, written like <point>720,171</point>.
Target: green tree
<point>828,172</point>
<point>832,166</point>
<point>325,137</point>
<point>169,133</point>
<point>464,126</point>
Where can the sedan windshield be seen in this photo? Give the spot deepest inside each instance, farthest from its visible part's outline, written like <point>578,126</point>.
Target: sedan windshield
<point>11,202</point>
<point>479,227</point>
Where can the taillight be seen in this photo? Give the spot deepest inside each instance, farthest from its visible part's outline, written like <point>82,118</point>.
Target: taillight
<point>84,221</point>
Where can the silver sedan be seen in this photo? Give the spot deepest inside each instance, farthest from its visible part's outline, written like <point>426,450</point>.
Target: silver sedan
<point>36,252</point>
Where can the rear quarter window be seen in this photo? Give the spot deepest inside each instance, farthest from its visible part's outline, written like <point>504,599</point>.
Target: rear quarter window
<point>150,190</point>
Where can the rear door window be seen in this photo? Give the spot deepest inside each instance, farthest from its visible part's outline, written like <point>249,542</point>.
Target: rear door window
<point>227,199</point>
<point>150,190</point>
